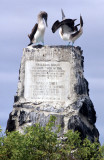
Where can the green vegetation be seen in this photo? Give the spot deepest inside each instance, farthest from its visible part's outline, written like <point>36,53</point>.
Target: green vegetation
<point>40,143</point>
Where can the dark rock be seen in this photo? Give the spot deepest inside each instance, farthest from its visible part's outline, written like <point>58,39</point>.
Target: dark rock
<point>18,105</point>
<point>38,118</point>
<point>33,105</point>
<point>76,124</point>
<point>10,124</point>
<point>78,48</point>
<point>43,120</point>
<point>16,99</point>
<point>87,86</point>
<point>82,62</point>
<point>19,73</point>
<point>23,105</point>
<point>88,111</point>
<point>22,117</point>
<point>82,86</point>
<point>15,113</point>
<point>95,132</point>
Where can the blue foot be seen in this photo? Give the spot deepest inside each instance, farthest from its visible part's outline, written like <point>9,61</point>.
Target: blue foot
<point>43,43</point>
<point>72,46</point>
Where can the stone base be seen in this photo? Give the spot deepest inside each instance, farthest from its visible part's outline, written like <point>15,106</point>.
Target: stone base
<point>79,116</point>
<point>51,82</point>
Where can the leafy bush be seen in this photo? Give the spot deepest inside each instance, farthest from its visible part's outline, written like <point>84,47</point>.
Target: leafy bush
<point>40,143</point>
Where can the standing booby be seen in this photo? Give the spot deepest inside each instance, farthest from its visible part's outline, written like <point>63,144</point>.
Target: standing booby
<point>37,33</point>
<point>66,27</point>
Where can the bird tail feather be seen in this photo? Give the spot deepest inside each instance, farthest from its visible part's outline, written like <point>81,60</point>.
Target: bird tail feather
<point>81,21</point>
<point>30,43</point>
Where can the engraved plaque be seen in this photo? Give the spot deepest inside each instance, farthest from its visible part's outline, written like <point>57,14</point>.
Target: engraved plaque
<point>47,81</point>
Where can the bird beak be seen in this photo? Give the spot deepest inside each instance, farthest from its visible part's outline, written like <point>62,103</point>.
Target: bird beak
<point>46,21</point>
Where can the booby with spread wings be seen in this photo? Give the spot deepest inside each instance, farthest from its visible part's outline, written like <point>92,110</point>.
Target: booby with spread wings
<point>67,30</point>
<point>37,33</point>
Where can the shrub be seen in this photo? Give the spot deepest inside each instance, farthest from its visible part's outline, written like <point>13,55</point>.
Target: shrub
<point>40,143</point>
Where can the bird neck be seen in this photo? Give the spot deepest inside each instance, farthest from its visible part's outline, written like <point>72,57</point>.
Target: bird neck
<point>40,19</point>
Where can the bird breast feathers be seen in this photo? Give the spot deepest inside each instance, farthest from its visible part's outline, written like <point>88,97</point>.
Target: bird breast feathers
<point>64,36</point>
<point>41,26</point>
<point>66,29</point>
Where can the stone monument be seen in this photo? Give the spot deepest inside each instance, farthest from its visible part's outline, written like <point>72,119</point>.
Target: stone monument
<point>51,82</point>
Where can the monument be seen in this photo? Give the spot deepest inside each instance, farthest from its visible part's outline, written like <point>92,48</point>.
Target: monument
<point>51,82</point>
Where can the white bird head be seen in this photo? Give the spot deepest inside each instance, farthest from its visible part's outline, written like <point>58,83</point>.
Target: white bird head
<point>43,15</point>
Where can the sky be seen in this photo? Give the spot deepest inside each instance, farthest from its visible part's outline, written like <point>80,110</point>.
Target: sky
<point>17,18</point>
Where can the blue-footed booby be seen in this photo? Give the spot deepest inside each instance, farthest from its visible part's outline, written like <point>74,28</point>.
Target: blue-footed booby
<point>67,30</point>
<point>37,33</point>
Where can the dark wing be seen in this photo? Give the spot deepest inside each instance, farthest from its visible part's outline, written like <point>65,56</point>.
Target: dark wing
<point>55,26</point>
<point>63,15</point>
<point>76,28</point>
<point>78,32</point>
<point>67,22</point>
<point>75,34</point>
<point>31,35</point>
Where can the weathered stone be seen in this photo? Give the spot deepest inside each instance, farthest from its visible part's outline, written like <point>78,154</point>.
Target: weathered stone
<point>77,124</point>
<point>88,111</point>
<point>49,64</point>
<point>82,62</point>
<point>22,117</point>
<point>51,82</point>
<point>82,86</point>
<point>16,98</point>
<point>42,119</point>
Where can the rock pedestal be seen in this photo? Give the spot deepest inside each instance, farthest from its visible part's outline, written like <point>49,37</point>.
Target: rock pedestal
<point>51,82</point>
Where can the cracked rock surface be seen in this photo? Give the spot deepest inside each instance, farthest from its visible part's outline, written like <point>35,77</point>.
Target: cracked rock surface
<point>51,82</point>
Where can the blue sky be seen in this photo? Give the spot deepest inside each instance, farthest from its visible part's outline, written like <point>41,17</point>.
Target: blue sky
<point>16,21</point>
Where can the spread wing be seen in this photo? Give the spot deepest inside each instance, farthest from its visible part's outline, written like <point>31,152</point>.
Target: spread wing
<point>55,26</point>
<point>31,35</point>
<point>67,24</point>
<point>79,32</point>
